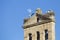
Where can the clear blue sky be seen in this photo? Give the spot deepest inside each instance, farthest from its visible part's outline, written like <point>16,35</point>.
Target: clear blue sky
<point>12,13</point>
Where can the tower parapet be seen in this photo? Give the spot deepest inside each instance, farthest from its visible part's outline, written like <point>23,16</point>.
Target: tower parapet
<point>38,17</point>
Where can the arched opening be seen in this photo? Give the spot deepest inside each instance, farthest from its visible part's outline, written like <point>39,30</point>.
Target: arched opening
<point>38,35</point>
<point>30,36</point>
<point>37,19</point>
<point>46,34</point>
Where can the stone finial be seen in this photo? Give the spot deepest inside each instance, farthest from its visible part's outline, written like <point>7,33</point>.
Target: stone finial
<point>39,11</point>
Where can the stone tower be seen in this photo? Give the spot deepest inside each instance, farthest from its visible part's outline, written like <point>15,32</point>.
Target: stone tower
<point>40,26</point>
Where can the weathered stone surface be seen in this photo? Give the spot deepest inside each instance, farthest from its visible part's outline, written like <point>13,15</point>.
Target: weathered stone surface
<point>32,26</point>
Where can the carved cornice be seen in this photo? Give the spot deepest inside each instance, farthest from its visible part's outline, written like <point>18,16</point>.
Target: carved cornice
<point>38,23</point>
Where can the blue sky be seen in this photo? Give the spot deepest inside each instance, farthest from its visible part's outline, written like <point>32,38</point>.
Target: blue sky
<point>12,13</point>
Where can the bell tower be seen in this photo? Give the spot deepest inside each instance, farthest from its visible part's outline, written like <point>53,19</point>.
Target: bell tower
<point>40,26</point>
